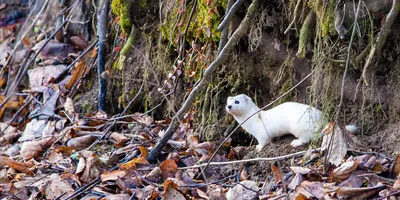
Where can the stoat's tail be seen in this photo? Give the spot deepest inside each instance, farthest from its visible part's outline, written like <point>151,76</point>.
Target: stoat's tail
<point>351,128</point>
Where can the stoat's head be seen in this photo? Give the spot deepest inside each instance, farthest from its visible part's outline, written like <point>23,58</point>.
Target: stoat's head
<point>238,105</point>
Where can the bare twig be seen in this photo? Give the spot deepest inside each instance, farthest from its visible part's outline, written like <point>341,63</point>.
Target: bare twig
<point>224,34</point>
<point>229,14</point>
<point>241,31</point>
<point>247,160</point>
<point>296,9</point>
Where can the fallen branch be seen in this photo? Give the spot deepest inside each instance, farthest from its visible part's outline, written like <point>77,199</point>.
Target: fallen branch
<point>239,33</point>
<point>301,153</point>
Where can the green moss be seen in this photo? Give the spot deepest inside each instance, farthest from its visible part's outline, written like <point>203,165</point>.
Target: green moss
<point>203,25</point>
<point>305,34</point>
<point>143,3</point>
<point>121,8</point>
<point>325,15</point>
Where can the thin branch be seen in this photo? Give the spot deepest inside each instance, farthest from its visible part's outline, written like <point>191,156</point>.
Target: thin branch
<point>229,14</point>
<point>296,9</point>
<point>247,160</point>
<point>224,34</point>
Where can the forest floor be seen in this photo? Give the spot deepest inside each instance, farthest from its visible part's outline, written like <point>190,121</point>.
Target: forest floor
<point>52,147</point>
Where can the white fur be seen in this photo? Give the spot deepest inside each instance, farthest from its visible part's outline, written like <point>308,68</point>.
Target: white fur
<point>300,120</point>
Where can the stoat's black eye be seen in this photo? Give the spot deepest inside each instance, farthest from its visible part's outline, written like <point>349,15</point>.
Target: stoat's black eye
<point>236,102</point>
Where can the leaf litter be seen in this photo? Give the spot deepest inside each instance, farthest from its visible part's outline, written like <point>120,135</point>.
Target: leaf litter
<point>49,151</point>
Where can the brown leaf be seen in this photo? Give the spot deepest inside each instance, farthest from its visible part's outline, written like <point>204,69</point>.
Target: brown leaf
<point>77,41</point>
<point>33,149</point>
<point>69,107</point>
<point>242,191</point>
<point>360,193</point>
<point>118,139</point>
<point>243,175</point>
<point>41,76</point>
<point>338,143</point>
<point>94,53</point>
<point>26,41</point>
<point>55,157</point>
<point>27,167</point>
<point>57,187</point>
<point>93,168</point>
<point>146,120</point>
<point>168,168</point>
<point>143,151</point>
<point>82,142</point>
<point>396,165</point>
<point>132,164</point>
<point>171,191</point>
<point>54,51</point>
<point>10,134</point>
<point>77,75</point>
<point>113,175</point>
<point>233,155</point>
<point>344,171</point>
<point>308,190</point>
<point>194,140</point>
<point>277,174</point>
<point>154,175</point>
<point>396,184</point>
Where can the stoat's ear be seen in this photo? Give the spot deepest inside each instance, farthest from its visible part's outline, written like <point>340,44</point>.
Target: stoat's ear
<point>229,98</point>
<point>245,97</point>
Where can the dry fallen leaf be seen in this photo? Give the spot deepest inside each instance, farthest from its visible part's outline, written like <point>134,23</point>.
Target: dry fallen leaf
<point>82,142</point>
<point>33,130</point>
<point>25,167</point>
<point>93,168</point>
<point>143,151</point>
<point>344,170</point>
<point>132,164</point>
<point>118,139</point>
<point>57,187</point>
<point>77,75</point>
<point>338,145</point>
<point>171,191</point>
<point>33,149</point>
<point>168,168</point>
<point>154,175</point>
<point>69,107</point>
<point>243,190</point>
<point>278,177</point>
<point>113,175</point>
<point>396,165</point>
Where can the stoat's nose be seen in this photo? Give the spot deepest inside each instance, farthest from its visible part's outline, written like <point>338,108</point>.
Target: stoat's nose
<point>229,106</point>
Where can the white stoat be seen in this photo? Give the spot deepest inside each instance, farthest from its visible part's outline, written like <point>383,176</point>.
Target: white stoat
<point>303,121</point>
